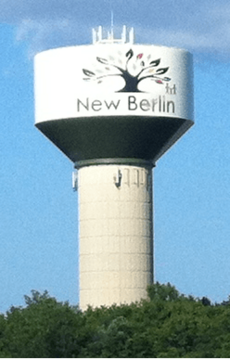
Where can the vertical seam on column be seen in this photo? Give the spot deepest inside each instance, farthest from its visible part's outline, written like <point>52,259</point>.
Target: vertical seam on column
<point>119,239</point>
<point>152,227</point>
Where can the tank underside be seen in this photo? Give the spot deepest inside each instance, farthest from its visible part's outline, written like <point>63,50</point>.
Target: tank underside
<point>85,139</point>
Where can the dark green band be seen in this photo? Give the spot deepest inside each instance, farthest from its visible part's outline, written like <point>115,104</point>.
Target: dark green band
<point>114,161</point>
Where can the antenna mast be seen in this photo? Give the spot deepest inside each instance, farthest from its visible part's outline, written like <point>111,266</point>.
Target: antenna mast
<point>112,35</point>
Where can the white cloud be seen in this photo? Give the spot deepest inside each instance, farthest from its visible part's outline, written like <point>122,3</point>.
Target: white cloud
<point>198,42</point>
<point>46,33</point>
<point>200,26</point>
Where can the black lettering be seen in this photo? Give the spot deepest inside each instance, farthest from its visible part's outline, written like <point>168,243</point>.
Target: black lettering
<point>163,103</point>
<point>144,105</point>
<point>96,105</point>
<point>154,102</point>
<point>132,103</point>
<point>112,104</point>
<point>172,106</point>
<point>86,106</point>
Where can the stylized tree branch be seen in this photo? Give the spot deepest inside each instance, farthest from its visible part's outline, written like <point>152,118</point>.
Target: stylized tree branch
<point>152,64</point>
<point>158,80</point>
<point>105,62</point>
<point>100,77</point>
<point>91,75</point>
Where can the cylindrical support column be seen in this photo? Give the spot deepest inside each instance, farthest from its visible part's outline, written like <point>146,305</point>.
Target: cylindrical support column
<point>115,233</point>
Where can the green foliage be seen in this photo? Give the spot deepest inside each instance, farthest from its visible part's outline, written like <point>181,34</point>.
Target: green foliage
<point>162,292</point>
<point>45,328</point>
<point>167,324</point>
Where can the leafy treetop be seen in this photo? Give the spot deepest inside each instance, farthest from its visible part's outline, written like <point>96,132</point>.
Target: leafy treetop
<point>167,324</point>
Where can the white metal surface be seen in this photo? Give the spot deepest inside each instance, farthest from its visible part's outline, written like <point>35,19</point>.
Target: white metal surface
<point>89,80</point>
<point>116,236</point>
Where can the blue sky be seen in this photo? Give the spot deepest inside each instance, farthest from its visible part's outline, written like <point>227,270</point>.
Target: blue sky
<point>38,213</point>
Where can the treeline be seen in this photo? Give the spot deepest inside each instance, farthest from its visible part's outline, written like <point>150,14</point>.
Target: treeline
<point>168,324</point>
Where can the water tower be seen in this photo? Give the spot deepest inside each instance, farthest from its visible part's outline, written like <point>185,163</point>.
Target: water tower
<point>113,108</point>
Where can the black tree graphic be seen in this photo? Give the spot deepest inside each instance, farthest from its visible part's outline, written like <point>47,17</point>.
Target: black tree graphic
<point>132,81</point>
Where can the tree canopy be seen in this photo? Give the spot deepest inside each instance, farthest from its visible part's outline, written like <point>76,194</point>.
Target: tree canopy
<point>167,324</point>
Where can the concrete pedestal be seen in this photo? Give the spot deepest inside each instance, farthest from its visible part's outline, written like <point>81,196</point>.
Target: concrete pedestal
<point>115,233</point>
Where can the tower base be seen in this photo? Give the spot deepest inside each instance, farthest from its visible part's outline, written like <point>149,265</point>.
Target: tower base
<point>115,233</point>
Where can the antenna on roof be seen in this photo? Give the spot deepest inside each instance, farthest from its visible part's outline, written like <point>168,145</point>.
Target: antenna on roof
<point>98,38</point>
<point>112,24</point>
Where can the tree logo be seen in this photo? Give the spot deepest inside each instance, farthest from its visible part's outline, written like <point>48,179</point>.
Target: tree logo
<point>133,70</point>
